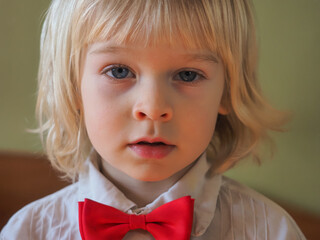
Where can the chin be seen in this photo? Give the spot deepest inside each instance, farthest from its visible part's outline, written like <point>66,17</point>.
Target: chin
<point>149,177</point>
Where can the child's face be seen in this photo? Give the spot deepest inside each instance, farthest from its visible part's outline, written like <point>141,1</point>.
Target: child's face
<point>150,112</point>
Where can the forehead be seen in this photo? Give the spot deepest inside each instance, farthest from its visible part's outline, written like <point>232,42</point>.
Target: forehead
<point>110,47</point>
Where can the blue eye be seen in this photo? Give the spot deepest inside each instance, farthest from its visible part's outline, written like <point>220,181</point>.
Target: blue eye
<point>118,72</point>
<point>188,76</point>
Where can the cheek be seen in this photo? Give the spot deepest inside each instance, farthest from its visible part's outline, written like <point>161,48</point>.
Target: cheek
<point>205,126</point>
<point>199,123</point>
<point>205,117</point>
<point>99,114</point>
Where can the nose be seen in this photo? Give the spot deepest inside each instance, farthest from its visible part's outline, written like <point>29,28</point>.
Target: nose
<point>153,102</point>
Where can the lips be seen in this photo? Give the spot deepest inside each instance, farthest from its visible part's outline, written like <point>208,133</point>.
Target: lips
<point>151,148</point>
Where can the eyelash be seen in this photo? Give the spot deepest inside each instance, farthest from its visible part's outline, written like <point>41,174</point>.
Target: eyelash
<point>114,66</point>
<point>199,75</point>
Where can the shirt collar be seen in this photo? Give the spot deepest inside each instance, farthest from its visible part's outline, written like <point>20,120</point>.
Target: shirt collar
<point>95,186</point>
<point>197,183</point>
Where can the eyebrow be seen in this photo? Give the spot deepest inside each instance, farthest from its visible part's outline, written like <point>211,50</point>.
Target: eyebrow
<point>107,49</point>
<point>209,57</point>
<point>203,57</point>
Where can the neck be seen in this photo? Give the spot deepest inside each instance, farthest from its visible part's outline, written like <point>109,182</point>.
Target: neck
<point>140,192</point>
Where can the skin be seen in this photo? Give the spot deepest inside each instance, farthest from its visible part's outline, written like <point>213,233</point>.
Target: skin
<point>151,102</point>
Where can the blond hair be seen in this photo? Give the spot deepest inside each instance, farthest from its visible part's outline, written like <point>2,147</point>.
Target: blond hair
<point>225,28</point>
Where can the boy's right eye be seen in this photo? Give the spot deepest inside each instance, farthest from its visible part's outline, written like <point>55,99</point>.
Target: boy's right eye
<point>118,72</point>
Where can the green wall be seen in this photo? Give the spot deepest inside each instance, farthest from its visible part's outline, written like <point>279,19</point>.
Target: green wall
<point>289,36</point>
<point>20,24</point>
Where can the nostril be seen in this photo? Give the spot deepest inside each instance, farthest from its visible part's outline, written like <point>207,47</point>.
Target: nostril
<point>141,115</point>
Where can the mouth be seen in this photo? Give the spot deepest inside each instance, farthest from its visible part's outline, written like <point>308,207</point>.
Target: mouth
<point>151,148</point>
<point>151,143</point>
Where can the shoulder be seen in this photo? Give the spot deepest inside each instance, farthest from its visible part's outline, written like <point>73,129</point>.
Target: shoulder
<point>52,217</point>
<point>253,214</point>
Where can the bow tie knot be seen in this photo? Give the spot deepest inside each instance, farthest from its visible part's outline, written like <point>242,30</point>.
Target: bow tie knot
<point>137,222</point>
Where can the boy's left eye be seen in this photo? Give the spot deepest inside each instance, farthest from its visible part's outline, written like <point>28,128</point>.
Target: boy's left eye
<point>188,76</point>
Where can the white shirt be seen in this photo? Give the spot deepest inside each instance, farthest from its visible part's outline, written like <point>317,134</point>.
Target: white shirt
<point>224,209</point>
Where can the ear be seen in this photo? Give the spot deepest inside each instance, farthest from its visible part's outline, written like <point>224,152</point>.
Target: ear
<point>223,110</point>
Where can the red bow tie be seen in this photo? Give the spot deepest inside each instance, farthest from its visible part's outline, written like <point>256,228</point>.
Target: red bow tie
<point>172,220</point>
